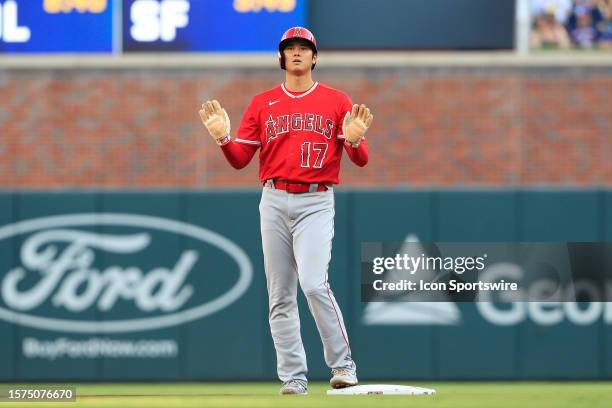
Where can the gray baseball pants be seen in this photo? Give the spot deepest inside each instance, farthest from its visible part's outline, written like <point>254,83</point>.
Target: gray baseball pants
<point>297,232</point>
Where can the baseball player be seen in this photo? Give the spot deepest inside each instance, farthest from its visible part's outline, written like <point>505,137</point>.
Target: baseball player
<point>301,128</point>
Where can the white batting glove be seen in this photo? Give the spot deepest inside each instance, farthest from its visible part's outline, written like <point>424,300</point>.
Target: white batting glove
<point>356,123</point>
<point>215,118</point>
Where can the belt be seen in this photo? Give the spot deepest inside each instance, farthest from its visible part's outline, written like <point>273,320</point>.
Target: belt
<point>295,188</point>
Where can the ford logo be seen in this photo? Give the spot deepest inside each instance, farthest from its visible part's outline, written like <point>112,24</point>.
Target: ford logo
<point>57,261</point>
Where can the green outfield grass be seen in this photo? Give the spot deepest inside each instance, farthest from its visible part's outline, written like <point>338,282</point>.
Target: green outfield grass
<point>253,395</point>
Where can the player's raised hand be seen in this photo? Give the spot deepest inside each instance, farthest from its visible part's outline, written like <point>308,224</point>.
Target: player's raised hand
<point>356,123</point>
<point>215,118</point>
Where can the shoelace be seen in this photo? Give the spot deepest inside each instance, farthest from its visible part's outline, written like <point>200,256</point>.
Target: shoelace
<point>294,383</point>
<point>342,371</point>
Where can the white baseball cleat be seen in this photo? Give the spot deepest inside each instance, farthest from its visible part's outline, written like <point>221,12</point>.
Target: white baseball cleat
<point>343,378</point>
<point>294,387</point>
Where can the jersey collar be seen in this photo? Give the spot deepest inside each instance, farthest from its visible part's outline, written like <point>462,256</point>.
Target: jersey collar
<point>289,94</point>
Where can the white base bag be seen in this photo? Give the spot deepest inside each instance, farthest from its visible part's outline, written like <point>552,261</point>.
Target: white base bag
<point>382,389</point>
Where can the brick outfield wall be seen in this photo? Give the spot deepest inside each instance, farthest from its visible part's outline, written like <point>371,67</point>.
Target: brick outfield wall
<point>434,126</point>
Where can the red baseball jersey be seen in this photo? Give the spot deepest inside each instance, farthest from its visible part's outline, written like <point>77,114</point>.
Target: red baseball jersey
<point>300,135</point>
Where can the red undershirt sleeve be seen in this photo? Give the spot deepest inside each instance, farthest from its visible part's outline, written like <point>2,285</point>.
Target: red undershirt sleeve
<point>358,155</point>
<point>238,154</point>
<point>240,151</point>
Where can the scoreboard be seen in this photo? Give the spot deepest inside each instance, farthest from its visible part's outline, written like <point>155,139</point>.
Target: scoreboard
<point>199,26</point>
<point>50,26</point>
<point>208,25</point>
<point>115,26</point>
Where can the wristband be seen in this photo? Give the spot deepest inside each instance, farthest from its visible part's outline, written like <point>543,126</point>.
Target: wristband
<point>355,144</point>
<point>222,141</point>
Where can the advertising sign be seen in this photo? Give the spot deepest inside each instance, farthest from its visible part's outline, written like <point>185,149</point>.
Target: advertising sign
<point>157,286</point>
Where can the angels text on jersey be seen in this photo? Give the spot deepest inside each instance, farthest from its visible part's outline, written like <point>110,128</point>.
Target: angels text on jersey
<point>299,122</point>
